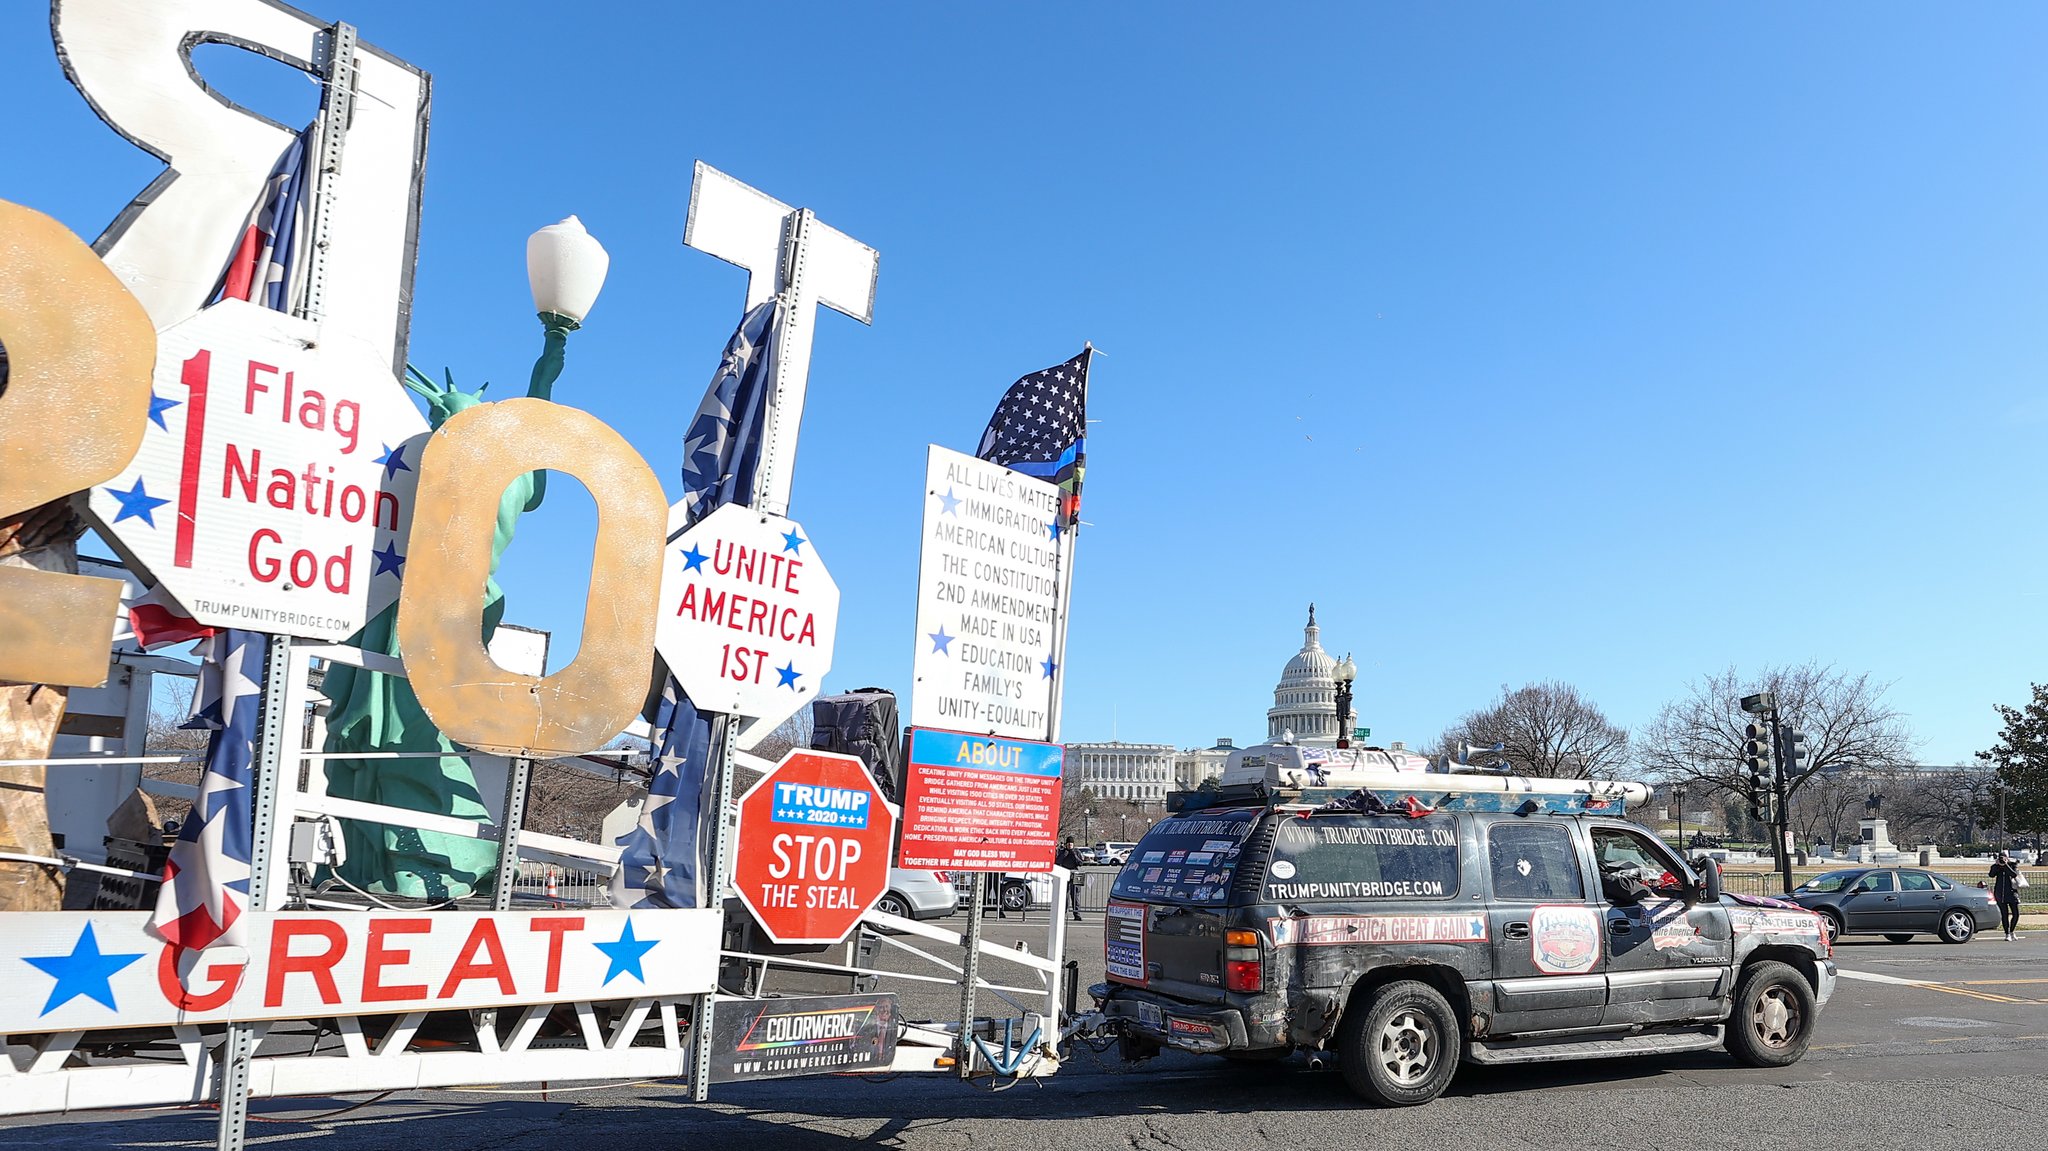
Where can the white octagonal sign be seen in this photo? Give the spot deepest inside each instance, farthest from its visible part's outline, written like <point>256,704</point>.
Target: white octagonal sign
<point>747,615</point>
<point>273,489</point>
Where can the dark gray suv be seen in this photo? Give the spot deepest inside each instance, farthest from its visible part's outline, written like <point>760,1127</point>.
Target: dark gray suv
<point>1407,942</point>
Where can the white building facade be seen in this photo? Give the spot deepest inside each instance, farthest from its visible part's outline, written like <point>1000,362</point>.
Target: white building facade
<point>1195,766</point>
<point>1305,699</point>
<point>1139,772</point>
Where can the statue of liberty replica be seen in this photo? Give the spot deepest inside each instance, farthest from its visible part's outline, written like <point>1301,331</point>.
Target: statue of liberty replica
<point>375,712</point>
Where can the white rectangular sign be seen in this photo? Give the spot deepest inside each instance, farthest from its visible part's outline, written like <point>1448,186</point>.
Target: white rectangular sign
<point>988,610</point>
<point>67,971</point>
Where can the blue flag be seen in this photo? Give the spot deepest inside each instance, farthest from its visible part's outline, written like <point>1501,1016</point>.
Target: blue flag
<point>661,859</point>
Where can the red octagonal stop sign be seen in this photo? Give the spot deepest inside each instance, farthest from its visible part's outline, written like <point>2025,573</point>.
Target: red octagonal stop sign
<point>813,856</point>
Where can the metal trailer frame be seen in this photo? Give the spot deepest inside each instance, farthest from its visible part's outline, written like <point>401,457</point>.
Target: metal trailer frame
<point>613,1038</point>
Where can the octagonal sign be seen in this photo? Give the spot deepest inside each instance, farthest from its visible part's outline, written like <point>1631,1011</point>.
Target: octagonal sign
<point>747,615</point>
<point>813,852</point>
<point>273,489</point>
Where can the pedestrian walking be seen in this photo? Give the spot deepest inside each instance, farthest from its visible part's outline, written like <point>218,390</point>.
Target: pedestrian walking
<point>2006,882</point>
<point>1069,857</point>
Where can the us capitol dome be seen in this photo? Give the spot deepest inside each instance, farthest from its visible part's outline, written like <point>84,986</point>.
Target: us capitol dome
<point>1305,699</point>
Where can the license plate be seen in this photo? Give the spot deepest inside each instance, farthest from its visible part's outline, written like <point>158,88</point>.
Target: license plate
<point>1149,1015</point>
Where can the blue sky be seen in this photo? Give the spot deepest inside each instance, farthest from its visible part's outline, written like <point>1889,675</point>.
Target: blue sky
<point>1601,344</point>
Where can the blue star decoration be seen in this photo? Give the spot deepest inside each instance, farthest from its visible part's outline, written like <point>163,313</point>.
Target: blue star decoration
<point>388,560</point>
<point>393,460</point>
<point>693,560</point>
<point>789,675</point>
<point>792,542</point>
<point>1049,666</point>
<point>137,503</point>
<point>84,972</point>
<point>158,405</point>
<point>940,640</point>
<point>625,954</point>
<point>949,505</point>
<point>1052,530</point>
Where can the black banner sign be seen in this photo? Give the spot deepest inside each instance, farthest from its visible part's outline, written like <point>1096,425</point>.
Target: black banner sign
<point>815,1035</point>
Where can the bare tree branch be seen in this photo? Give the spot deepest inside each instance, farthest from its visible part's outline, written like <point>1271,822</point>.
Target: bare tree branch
<point>1696,740</point>
<point>1546,730</point>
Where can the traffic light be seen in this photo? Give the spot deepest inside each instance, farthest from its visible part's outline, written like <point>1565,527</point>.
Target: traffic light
<point>1794,755</point>
<point>1756,757</point>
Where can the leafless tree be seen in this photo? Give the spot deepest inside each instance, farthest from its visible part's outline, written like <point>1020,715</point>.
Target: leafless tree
<point>1827,807</point>
<point>572,798</point>
<point>1112,819</point>
<point>1547,730</point>
<point>1940,807</point>
<point>1697,738</point>
<point>792,733</point>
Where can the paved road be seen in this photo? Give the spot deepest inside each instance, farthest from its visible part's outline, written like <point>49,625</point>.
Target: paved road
<point>1925,1046</point>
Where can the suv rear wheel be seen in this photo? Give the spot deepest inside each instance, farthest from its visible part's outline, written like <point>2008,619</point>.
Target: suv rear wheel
<point>1774,1015</point>
<point>1400,1046</point>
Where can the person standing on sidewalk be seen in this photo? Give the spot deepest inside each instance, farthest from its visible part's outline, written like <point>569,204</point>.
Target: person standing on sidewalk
<point>1069,857</point>
<point>2005,890</point>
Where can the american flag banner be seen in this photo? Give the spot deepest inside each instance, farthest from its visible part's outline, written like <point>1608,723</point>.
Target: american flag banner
<point>661,858</point>
<point>1040,428</point>
<point>261,269</point>
<point>206,879</point>
<point>156,619</point>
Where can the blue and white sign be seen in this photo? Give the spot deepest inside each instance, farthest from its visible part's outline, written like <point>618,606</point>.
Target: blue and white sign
<point>814,806</point>
<point>984,753</point>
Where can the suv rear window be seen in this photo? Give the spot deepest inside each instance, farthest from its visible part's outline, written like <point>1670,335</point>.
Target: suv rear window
<point>1187,859</point>
<point>1363,857</point>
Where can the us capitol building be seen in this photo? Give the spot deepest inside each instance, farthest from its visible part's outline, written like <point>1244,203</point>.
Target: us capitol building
<point>1304,702</point>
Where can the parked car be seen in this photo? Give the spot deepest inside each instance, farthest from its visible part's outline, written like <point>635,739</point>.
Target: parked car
<point>918,894</point>
<point>1897,903</point>
<point>1005,891</point>
<point>1115,852</point>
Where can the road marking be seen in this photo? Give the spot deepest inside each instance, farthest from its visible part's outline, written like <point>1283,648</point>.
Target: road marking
<point>1994,982</point>
<point>1873,977</point>
<point>1931,985</point>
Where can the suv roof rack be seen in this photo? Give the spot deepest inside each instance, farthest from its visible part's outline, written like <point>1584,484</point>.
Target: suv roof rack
<point>1420,792</point>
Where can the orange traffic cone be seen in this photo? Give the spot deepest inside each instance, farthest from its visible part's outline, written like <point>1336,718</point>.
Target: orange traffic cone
<point>554,890</point>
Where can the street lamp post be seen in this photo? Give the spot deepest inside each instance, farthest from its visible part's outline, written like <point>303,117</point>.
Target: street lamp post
<point>1346,672</point>
<point>1678,797</point>
<point>1087,817</point>
<point>565,267</point>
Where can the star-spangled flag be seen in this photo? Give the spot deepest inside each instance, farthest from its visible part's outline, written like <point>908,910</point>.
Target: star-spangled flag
<point>722,450</point>
<point>261,269</point>
<point>1040,428</point>
<point>206,879</point>
<point>661,858</point>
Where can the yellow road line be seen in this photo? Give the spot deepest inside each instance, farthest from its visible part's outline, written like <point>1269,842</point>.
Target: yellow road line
<point>1986,996</point>
<point>1994,982</point>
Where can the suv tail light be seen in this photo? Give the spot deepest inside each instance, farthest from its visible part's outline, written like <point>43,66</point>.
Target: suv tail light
<point>1243,966</point>
<point>944,876</point>
<point>1244,975</point>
